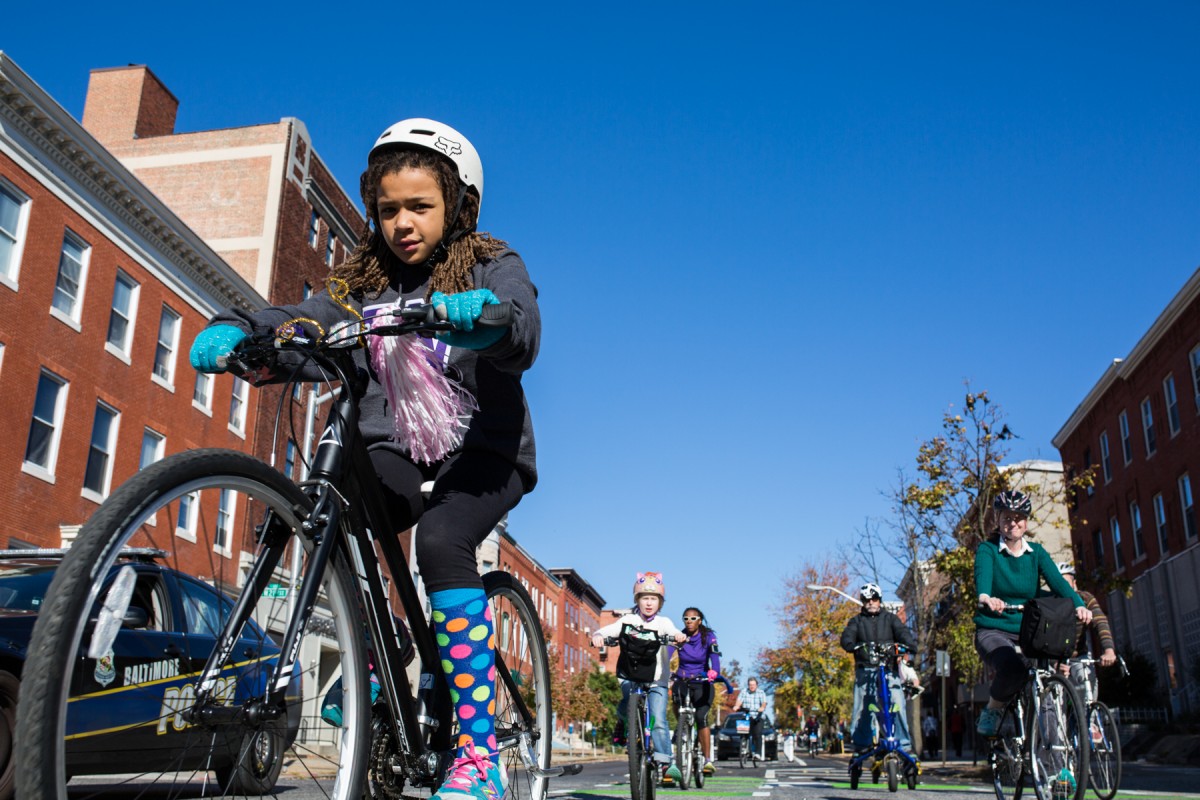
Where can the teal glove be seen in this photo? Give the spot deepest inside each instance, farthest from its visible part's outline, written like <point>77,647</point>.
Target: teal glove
<point>461,310</point>
<point>214,342</point>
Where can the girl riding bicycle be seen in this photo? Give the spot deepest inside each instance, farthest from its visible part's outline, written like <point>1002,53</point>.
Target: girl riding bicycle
<point>649,594</point>
<point>1008,569</point>
<point>699,666</point>
<point>422,191</point>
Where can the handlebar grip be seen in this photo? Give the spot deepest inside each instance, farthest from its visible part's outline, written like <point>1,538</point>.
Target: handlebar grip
<point>496,315</point>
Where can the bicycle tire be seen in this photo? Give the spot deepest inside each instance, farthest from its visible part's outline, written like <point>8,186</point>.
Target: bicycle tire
<point>698,762</point>
<point>1056,741</point>
<point>142,512</point>
<point>1006,759</point>
<point>855,775</point>
<point>519,735</point>
<point>893,775</point>
<point>636,731</point>
<point>683,750</point>
<point>1104,761</point>
<point>743,755</point>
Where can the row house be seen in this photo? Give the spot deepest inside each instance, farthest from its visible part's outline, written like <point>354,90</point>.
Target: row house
<point>581,607</point>
<point>1138,428</point>
<point>102,287</point>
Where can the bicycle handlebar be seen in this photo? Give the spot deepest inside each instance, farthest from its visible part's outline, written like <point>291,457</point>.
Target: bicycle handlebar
<point>260,349</point>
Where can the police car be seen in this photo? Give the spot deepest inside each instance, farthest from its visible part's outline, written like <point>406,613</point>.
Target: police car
<point>126,707</point>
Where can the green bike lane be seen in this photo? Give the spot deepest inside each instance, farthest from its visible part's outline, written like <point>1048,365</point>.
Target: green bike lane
<point>828,780</point>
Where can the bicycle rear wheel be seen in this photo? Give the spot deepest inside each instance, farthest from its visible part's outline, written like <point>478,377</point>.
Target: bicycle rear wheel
<point>115,657</point>
<point>523,703</point>
<point>1057,747</point>
<point>635,730</point>
<point>1104,762</point>
<point>1006,759</point>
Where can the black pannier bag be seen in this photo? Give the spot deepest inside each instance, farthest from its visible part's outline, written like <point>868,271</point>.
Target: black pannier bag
<point>639,654</point>
<point>1048,628</point>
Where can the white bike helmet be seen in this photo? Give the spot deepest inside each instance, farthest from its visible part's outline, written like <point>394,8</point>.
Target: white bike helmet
<point>440,138</point>
<point>870,591</point>
<point>1065,568</point>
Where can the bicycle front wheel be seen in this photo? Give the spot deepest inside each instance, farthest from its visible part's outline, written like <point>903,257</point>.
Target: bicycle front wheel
<point>742,753</point>
<point>115,659</point>
<point>1058,751</point>
<point>684,732</point>
<point>635,732</point>
<point>1006,759</point>
<point>1104,761</point>
<point>523,703</point>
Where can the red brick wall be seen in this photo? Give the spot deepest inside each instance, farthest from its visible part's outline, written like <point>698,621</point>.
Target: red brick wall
<point>126,103</point>
<point>34,339</point>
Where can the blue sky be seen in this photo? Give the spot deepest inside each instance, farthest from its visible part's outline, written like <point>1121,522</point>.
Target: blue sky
<point>772,240</point>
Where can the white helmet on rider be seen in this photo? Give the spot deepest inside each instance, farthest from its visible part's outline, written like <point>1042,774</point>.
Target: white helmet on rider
<point>1065,568</point>
<point>870,591</point>
<point>440,138</point>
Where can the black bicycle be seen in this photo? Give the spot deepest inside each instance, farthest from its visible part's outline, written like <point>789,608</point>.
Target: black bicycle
<point>688,754</point>
<point>639,723</point>
<point>315,582</point>
<point>1040,737</point>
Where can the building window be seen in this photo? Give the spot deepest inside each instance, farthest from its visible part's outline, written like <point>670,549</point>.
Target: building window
<point>45,429</point>
<point>330,248</point>
<point>1187,507</point>
<point>1105,461</point>
<point>1126,444</point>
<point>97,475</point>
<point>307,291</point>
<point>1098,548</point>
<point>1172,402</point>
<point>1115,528</point>
<point>1160,523</point>
<point>120,318</point>
<point>202,393</point>
<point>289,459</point>
<point>224,532</point>
<point>68,286</point>
<point>1135,529</point>
<point>1148,428</point>
<point>168,343</point>
<point>14,218</point>
<point>237,406</point>
<point>153,446</point>
<point>189,510</point>
<point>1087,464</point>
<point>1194,359</point>
<point>314,230</point>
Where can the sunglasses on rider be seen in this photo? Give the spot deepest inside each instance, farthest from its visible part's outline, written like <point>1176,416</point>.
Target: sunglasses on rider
<point>691,619</point>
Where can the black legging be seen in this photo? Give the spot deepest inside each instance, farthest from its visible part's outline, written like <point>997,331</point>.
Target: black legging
<point>472,491</point>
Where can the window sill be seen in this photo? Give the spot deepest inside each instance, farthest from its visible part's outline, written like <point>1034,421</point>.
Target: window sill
<point>93,495</point>
<point>118,353</point>
<point>185,534</point>
<point>41,473</point>
<point>70,322</point>
<point>238,432</point>
<point>203,409</point>
<point>9,282</point>
<point>170,387</point>
<point>224,552</point>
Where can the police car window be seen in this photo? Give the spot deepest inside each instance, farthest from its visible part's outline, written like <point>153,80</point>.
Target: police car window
<point>150,595</point>
<point>23,587</point>
<point>204,609</point>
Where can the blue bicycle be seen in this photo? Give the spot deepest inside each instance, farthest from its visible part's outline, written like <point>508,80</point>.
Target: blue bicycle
<point>887,756</point>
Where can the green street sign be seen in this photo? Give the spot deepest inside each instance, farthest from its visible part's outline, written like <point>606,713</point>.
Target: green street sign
<point>275,590</point>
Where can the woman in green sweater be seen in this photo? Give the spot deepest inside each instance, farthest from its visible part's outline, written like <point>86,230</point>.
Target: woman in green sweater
<point>1008,571</point>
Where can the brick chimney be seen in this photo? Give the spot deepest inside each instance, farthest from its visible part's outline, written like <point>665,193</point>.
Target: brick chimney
<point>125,103</point>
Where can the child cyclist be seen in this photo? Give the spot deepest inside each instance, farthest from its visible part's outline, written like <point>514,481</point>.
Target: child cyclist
<point>648,597</point>
<point>699,666</point>
<point>422,190</point>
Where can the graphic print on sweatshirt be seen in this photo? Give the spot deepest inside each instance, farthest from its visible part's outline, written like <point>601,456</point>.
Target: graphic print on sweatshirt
<point>439,351</point>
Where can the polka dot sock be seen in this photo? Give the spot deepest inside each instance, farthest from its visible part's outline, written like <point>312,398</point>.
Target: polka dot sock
<point>462,622</point>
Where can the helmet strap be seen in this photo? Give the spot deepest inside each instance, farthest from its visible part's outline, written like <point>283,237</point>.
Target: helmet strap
<point>454,235</point>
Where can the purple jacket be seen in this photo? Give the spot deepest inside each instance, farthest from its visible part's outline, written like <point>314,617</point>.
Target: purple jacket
<point>697,657</point>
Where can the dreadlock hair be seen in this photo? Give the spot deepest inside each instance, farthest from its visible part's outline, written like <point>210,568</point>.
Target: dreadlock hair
<point>706,633</point>
<point>368,269</point>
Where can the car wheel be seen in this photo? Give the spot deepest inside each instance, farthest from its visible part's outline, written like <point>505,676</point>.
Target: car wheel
<point>257,771</point>
<point>10,686</point>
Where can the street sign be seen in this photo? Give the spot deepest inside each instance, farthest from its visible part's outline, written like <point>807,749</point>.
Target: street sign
<point>942,666</point>
<point>275,590</point>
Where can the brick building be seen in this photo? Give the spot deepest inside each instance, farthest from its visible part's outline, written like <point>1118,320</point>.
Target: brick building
<point>102,286</point>
<point>258,195</point>
<point>1139,428</point>
<point>580,608</point>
